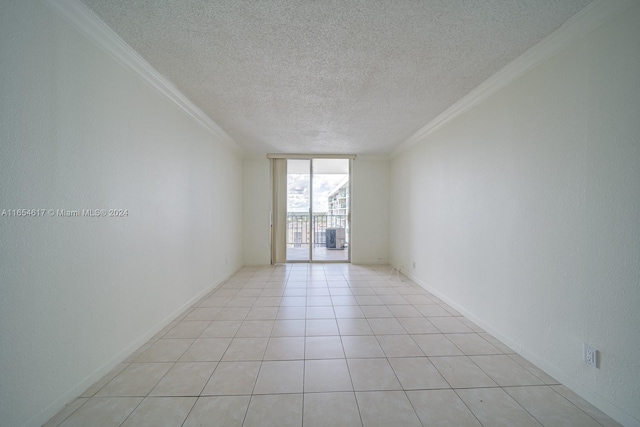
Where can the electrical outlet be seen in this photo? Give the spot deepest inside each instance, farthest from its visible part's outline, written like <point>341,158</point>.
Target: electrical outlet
<point>590,355</point>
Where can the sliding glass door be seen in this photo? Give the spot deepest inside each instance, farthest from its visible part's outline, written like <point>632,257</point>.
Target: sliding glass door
<point>317,210</point>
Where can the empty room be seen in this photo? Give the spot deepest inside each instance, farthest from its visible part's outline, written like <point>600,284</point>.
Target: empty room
<point>319,213</point>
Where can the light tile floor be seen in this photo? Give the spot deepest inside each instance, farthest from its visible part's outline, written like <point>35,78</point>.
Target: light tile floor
<point>325,345</point>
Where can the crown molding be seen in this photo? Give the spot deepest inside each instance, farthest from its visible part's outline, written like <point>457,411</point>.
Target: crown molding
<point>89,24</point>
<point>576,27</point>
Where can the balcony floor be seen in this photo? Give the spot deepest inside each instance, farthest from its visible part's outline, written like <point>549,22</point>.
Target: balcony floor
<point>319,254</point>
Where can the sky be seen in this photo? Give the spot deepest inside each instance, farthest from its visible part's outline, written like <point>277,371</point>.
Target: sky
<point>298,191</point>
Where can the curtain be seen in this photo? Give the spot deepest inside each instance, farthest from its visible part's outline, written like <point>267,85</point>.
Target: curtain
<point>279,211</point>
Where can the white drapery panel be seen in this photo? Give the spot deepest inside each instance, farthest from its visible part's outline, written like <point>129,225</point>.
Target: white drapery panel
<point>279,210</point>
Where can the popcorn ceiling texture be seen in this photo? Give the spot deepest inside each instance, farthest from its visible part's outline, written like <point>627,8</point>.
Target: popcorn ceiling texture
<point>355,76</point>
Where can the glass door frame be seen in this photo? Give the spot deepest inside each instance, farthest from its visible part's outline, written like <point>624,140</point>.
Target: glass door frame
<point>311,219</point>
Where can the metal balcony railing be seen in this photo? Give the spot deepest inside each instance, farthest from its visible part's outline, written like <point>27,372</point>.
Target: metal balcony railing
<point>300,226</point>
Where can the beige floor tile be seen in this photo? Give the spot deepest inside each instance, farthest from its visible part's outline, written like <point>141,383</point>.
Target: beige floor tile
<point>550,408</point>
<point>283,330</point>
<point>354,327</point>
<point>232,378</point>
<point>274,287</point>
<point>362,289</point>
<point>288,328</point>
<point>369,300</point>
<point>233,313</point>
<point>496,342</point>
<point>318,292</point>
<point>405,311</point>
<point>246,349</point>
<point>388,326</point>
<point>335,282</point>
<point>472,344</point>
<point>285,348</point>
<point>343,300</point>
<point>399,346</point>
<point>361,346</point>
<point>166,350</point>
<point>203,313</point>
<point>221,329</point>
<point>280,410</point>
<point>417,373</point>
<point>104,380</point>
<point>449,325</point>
<point>326,375</point>
<point>588,408</point>
<point>218,411</point>
<point>539,373</point>
<point>415,325</point>
<point>385,290</point>
<point>297,283</point>
<point>348,312</point>
<point>372,374</point>
<point>206,350</point>
<point>494,407</point>
<point>451,310</point>
<point>394,300</point>
<point>331,409</point>
<point>320,313</point>
<point>102,412</point>
<point>241,302</point>
<point>318,301</point>
<point>184,379</point>
<point>133,356</point>
<point>255,329</point>
<point>280,377</point>
<point>386,408</point>
<point>65,412</point>
<point>295,292</point>
<point>214,301</point>
<point>262,313</point>
<point>419,299</point>
<point>475,328</point>
<point>339,291</point>
<point>226,293</point>
<point>288,301</point>
<point>504,371</point>
<point>376,311</point>
<point>274,291</point>
<point>329,347</point>
<point>317,327</point>
<point>164,411</point>
<point>436,345</point>
<point>442,408</point>
<point>187,329</point>
<point>250,292</point>
<point>136,379</point>
<point>461,372</point>
<point>291,313</point>
<point>432,310</point>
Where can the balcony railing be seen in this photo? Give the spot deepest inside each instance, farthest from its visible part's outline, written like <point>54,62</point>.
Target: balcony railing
<point>300,227</point>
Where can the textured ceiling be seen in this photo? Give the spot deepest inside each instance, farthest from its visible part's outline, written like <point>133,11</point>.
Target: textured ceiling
<point>325,76</point>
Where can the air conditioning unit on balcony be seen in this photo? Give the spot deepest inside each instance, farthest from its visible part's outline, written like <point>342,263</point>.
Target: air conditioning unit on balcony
<point>335,238</point>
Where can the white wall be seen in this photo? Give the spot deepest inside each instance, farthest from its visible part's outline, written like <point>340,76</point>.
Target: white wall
<point>79,130</point>
<point>257,206</point>
<point>525,213</point>
<point>370,211</point>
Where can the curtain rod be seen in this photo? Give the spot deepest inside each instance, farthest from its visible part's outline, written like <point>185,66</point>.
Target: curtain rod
<point>310,156</point>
